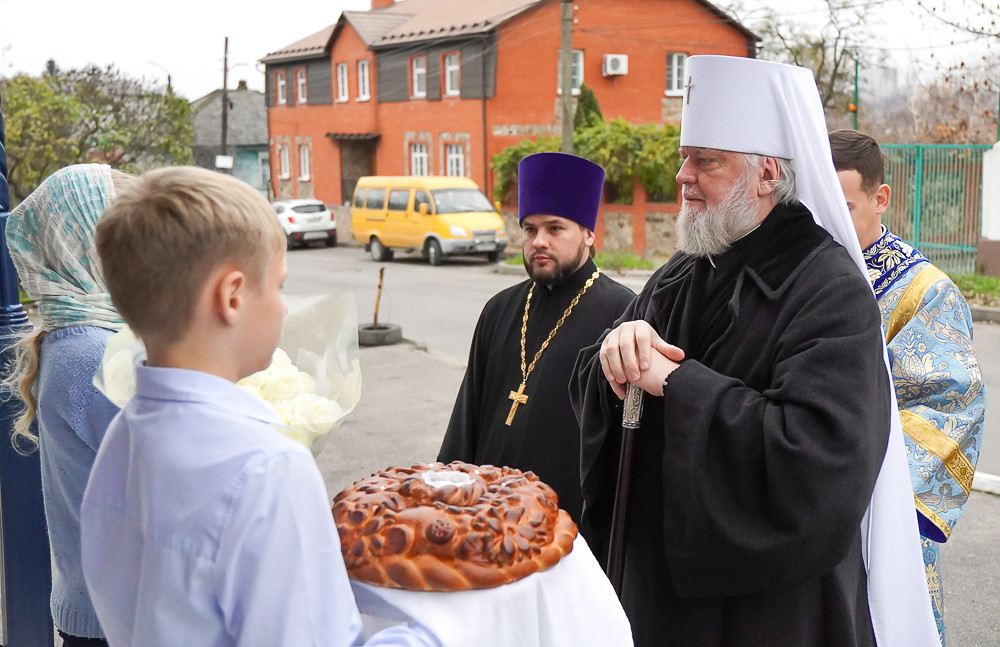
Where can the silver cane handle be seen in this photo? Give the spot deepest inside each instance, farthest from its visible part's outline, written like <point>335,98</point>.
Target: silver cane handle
<point>633,407</point>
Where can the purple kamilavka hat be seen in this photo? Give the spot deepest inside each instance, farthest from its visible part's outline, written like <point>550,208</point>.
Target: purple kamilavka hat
<point>560,184</point>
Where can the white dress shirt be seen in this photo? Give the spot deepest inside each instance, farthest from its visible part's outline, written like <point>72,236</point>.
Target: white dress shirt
<point>202,525</point>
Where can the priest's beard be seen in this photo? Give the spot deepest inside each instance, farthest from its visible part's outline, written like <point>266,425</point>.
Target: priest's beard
<point>711,229</point>
<point>558,271</point>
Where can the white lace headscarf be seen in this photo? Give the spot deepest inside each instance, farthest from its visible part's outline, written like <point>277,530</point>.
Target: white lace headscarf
<point>51,241</point>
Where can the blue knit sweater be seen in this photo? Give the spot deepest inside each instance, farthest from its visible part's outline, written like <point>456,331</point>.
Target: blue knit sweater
<point>72,418</point>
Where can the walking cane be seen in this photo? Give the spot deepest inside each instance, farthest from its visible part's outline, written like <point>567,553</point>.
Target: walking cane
<point>631,413</point>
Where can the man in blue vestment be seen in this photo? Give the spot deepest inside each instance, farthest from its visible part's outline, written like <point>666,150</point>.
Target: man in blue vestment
<point>928,331</point>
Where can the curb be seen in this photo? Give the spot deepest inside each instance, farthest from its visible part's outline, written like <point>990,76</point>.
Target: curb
<point>985,314</point>
<point>988,483</point>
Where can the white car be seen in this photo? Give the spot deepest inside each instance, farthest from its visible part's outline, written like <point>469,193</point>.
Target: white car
<point>306,221</point>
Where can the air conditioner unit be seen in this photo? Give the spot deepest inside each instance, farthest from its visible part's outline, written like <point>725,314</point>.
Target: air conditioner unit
<point>615,64</point>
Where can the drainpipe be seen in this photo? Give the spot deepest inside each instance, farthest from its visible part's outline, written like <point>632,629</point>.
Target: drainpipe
<point>486,157</point>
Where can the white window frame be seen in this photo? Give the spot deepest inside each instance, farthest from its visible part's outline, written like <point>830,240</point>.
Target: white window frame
<point>454,160</point>
<point>305,165</point>
<point>577,72</point>
<point>284,170</point>
<point>300,86</point>
<point>418,77</point>
<point>419,159</point>
<point>343,89</point>
<point>452,78</point>
<point>364,87</point>
<point>675,73</point>
<point>279,80</point>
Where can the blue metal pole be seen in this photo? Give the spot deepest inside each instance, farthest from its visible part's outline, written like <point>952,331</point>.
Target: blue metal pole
<point>27,567</point>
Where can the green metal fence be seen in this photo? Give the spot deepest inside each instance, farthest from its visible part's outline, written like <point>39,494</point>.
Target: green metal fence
<point>936,204</point>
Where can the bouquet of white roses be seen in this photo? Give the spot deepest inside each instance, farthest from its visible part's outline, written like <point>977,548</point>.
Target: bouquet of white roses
<point>314,379</point>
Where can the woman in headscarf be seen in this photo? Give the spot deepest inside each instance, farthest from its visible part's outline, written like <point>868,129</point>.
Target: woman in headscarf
<point>50,236</point>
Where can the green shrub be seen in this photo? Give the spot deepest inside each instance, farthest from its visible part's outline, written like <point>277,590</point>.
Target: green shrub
<point>619,260</point>
<point>979,289</point>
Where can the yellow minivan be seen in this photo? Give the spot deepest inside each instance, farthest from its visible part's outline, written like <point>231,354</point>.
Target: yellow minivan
<point>437,215</point>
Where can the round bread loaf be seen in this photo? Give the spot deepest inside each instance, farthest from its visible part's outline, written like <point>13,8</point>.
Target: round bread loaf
<point>450,527</point>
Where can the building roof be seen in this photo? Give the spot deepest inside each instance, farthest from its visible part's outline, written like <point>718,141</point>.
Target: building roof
<point>371,25</point>
<point>309,47</point>
<point>430,19</point>
<point>246,122</point>
<point>418,20</point>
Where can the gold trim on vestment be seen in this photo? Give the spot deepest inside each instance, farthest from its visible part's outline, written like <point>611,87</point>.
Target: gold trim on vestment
<point>932,517</point>
<point>938,443</point>
<point>913,296</point>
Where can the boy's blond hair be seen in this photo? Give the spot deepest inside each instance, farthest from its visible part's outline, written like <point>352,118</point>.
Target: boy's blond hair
<point>164,235</point>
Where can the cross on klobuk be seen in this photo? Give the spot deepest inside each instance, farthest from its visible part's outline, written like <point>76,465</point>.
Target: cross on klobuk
<point>688,86</point>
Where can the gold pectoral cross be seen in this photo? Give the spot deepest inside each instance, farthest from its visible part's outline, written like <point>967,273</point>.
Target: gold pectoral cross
<point>518,397</point>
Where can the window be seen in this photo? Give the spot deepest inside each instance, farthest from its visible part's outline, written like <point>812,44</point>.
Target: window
<point>342,90</point>
<point>304,165</point>
<point>455,160</point>
<point>398,199</point>
<point>363,89</point>
<point>359,198</point>
<point>451,87</point>
<point>376,198</point>
<point>279,82</point>
<point>284,172</point>
<point>577,72</point>
<point>675,73</point>
<point>418,77</point>
<point>420,198</point>
<point>418,159</point>
<point>300,86</point>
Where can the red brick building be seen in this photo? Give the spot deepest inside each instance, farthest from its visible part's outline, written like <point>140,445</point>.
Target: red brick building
<point>440,86</point>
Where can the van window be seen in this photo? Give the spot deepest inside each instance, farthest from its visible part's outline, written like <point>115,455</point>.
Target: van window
<point>460,200</point>
<point>376,198</point>
<point>398,199</point>
<point>422,198</point>
<point>359,198</point>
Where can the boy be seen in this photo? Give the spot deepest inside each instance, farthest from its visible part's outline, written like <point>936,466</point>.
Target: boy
<point>201,525</point>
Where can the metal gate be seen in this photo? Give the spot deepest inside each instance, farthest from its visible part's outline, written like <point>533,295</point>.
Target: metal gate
<point>936,204</point>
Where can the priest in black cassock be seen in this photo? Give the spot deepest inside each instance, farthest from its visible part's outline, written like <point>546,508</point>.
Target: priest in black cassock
<point>771,504</point>
<point>513,407</point>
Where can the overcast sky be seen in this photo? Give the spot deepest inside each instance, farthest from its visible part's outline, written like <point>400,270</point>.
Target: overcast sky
<point>185,38</point>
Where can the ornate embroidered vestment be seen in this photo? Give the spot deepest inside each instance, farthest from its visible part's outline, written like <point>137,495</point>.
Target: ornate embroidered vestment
<point>939,387</point>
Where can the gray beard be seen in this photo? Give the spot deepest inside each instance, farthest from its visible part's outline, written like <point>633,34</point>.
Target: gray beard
<point>711,230</point>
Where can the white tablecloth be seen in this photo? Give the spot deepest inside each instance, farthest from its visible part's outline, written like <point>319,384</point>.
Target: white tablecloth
<point>571,604</point>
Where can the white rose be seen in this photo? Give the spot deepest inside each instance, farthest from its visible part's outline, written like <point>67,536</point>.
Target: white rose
<point>285,410</point>
<point>316,413</point>
<point>119,377</point>
<point>280,359</point>
<point>255,380</point>
<point>307,383</point>
<point>282,383</point>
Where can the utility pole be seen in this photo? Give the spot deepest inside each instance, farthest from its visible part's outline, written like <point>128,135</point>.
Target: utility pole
<point>854,106</point>
<point>225,98</point>
<point>566,75</point>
